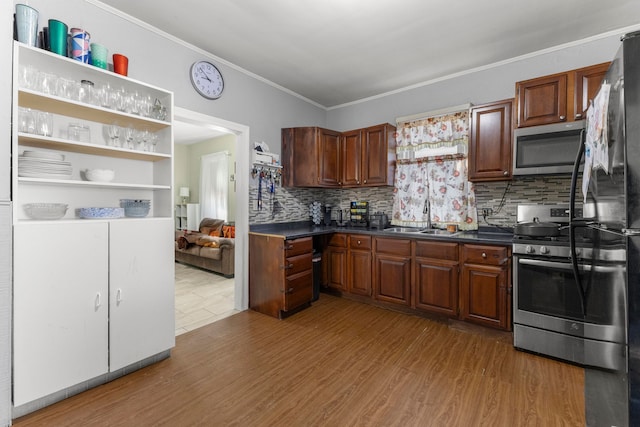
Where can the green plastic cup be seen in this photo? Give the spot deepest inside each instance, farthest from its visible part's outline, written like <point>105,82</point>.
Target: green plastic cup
<point>58,32</point>
<point>99,54</point>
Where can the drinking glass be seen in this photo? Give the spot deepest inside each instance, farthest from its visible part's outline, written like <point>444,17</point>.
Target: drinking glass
<point>26,120</point>
<point>44,123</point>
<point>114,135</point>
<point>28,77</point>
<point>47,82</point>
<point>129,136</point>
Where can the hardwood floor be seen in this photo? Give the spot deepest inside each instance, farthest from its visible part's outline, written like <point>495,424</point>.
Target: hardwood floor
<point>338,363</point>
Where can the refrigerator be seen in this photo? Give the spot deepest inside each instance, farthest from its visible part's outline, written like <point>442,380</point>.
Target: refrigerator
<point>610,192</point>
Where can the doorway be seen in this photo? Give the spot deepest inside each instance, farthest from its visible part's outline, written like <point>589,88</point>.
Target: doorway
<point>216,126</point>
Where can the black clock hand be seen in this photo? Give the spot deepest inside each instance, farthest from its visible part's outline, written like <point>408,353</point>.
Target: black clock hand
<point>204,74</point>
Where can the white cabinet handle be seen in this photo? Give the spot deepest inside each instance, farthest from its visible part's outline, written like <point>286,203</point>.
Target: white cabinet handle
<point>119,296</point>
<point>98,302</point>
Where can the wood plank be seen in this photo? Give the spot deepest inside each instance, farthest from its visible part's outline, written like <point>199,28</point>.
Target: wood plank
<point>339,362</point>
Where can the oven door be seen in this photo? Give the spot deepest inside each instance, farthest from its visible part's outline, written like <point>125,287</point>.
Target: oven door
<point>546,296</point>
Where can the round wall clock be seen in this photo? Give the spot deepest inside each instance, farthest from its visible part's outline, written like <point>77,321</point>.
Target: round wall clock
<point>206,79</point>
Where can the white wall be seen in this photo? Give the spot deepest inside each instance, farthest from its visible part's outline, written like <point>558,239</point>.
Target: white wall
<point>478,87</point>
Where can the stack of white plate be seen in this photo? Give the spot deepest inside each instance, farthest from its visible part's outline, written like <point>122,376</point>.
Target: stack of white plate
<point>43,164</point>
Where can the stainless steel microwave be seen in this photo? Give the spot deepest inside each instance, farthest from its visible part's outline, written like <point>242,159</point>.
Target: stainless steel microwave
<point>546,149</point>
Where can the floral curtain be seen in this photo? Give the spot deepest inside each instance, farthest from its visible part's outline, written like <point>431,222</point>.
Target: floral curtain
<point>431,182</point>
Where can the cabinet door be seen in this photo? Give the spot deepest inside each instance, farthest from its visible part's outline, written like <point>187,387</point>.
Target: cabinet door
<point>587,81</point>
<point>141,268</point>
<point>436,287</point>
<point>299,157</point>
<point>60,306</point>
<point>490,145</point>
<point>329,159</point>
<point>542,101</point>
<point>359,269</point>
<point>484,295</point>
<point>378,155</point>
<point>336,269</point>
<point>352,158</point>
<point>392,280</point>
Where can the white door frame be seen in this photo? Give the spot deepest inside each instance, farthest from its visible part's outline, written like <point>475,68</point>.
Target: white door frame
<point>241,282</point>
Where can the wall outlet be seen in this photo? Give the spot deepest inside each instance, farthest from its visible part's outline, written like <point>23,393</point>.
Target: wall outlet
<point>486,212</point>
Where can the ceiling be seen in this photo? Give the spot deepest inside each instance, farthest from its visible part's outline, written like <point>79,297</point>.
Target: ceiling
<point>334,52</point>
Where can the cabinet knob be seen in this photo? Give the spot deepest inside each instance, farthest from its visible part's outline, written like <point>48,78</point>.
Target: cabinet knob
<point>578,116</point>
<point>365,181</point>
<point>563,118</point>
<point>484,255</point>
<point>359,242</point>
<point>358,182</point>
<point>505,173</point>
<point>288,266</point>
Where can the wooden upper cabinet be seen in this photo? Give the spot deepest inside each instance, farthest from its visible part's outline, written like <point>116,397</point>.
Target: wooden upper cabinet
<point>490,143</point>
<point>558,97</point>
<point>352,156</point>
<point>317,157</point>
<point>378,155</point>
<point>587,83</point>
<point>542,100</point>
<point>311,157</point>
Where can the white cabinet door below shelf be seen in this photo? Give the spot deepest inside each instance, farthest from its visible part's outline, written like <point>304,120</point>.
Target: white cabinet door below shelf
<point>142,297</point>
<point>60,307</point>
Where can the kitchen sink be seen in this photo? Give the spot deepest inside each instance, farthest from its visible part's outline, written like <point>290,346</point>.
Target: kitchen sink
<point>438,232</point>
<point>402,230</point>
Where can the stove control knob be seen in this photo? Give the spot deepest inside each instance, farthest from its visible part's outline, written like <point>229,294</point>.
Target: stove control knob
<point>544,250</point>
<point>529,249</point>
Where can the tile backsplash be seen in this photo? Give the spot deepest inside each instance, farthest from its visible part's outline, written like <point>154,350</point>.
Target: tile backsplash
<point>292,204</point>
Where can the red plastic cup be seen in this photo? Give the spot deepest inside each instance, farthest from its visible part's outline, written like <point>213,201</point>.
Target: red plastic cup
<point>120,64</point>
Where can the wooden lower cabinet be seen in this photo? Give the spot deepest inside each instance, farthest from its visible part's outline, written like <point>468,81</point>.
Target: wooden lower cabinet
<point>335,263</point>
<point>359,265</point>
<point>485,290</point>
<point>436,277</point>
<point>280,274</point>
<point>392,270</point>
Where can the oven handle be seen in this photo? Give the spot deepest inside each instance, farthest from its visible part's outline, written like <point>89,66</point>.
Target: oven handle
<point>565,266</point>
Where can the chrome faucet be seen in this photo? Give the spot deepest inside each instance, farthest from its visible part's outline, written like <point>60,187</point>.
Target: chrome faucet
<point>427,210</point>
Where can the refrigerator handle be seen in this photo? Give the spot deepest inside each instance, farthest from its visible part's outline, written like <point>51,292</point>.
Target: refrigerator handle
<point>573,224</point>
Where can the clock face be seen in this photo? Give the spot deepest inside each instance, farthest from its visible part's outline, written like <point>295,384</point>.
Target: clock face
<point>206,79</point>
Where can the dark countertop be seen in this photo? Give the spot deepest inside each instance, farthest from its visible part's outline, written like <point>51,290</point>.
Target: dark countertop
<point>294,230</point>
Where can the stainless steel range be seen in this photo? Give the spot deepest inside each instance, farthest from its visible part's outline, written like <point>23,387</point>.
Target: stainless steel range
<point>570,311</point>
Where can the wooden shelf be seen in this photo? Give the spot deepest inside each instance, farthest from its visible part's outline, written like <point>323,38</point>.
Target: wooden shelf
<point>37,141</point>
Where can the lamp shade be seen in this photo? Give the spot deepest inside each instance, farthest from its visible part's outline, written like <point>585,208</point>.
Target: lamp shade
<point>184,191</point>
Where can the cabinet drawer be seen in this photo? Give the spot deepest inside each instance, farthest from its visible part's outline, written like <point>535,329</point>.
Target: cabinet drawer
<point>437,250</point>
<point>338,240</point>
<point>399,247</point>
<point>297,264</point>
<point>298,290</point>
<point>298,246</point>
<point>480,254</point>
<point>359,242</point>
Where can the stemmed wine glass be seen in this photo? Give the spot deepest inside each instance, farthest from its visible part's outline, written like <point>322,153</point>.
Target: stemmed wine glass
<point>114,135</point>
<point>129,134</point>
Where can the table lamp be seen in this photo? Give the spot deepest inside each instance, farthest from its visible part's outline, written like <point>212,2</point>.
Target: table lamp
<point>184,193</point>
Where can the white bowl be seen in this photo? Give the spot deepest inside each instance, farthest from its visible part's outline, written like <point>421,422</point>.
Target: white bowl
<point>45,210</point>
<point>100,175</point>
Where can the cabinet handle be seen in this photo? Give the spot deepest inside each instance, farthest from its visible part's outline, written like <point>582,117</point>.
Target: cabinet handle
<point>98,300</point>
<point>118,296</point>
<point>563,118</point>
<point>484,255</point>
<point>288,266</point>
<point>579,116</point>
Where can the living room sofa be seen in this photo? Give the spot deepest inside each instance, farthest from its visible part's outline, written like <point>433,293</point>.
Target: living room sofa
<point>211,247</point>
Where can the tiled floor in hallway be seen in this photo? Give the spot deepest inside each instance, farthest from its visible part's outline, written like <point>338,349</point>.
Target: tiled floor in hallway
<point>201,298</point>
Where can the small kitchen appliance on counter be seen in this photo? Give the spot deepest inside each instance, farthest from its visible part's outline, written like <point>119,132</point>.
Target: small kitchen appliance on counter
<point>378,221</point>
